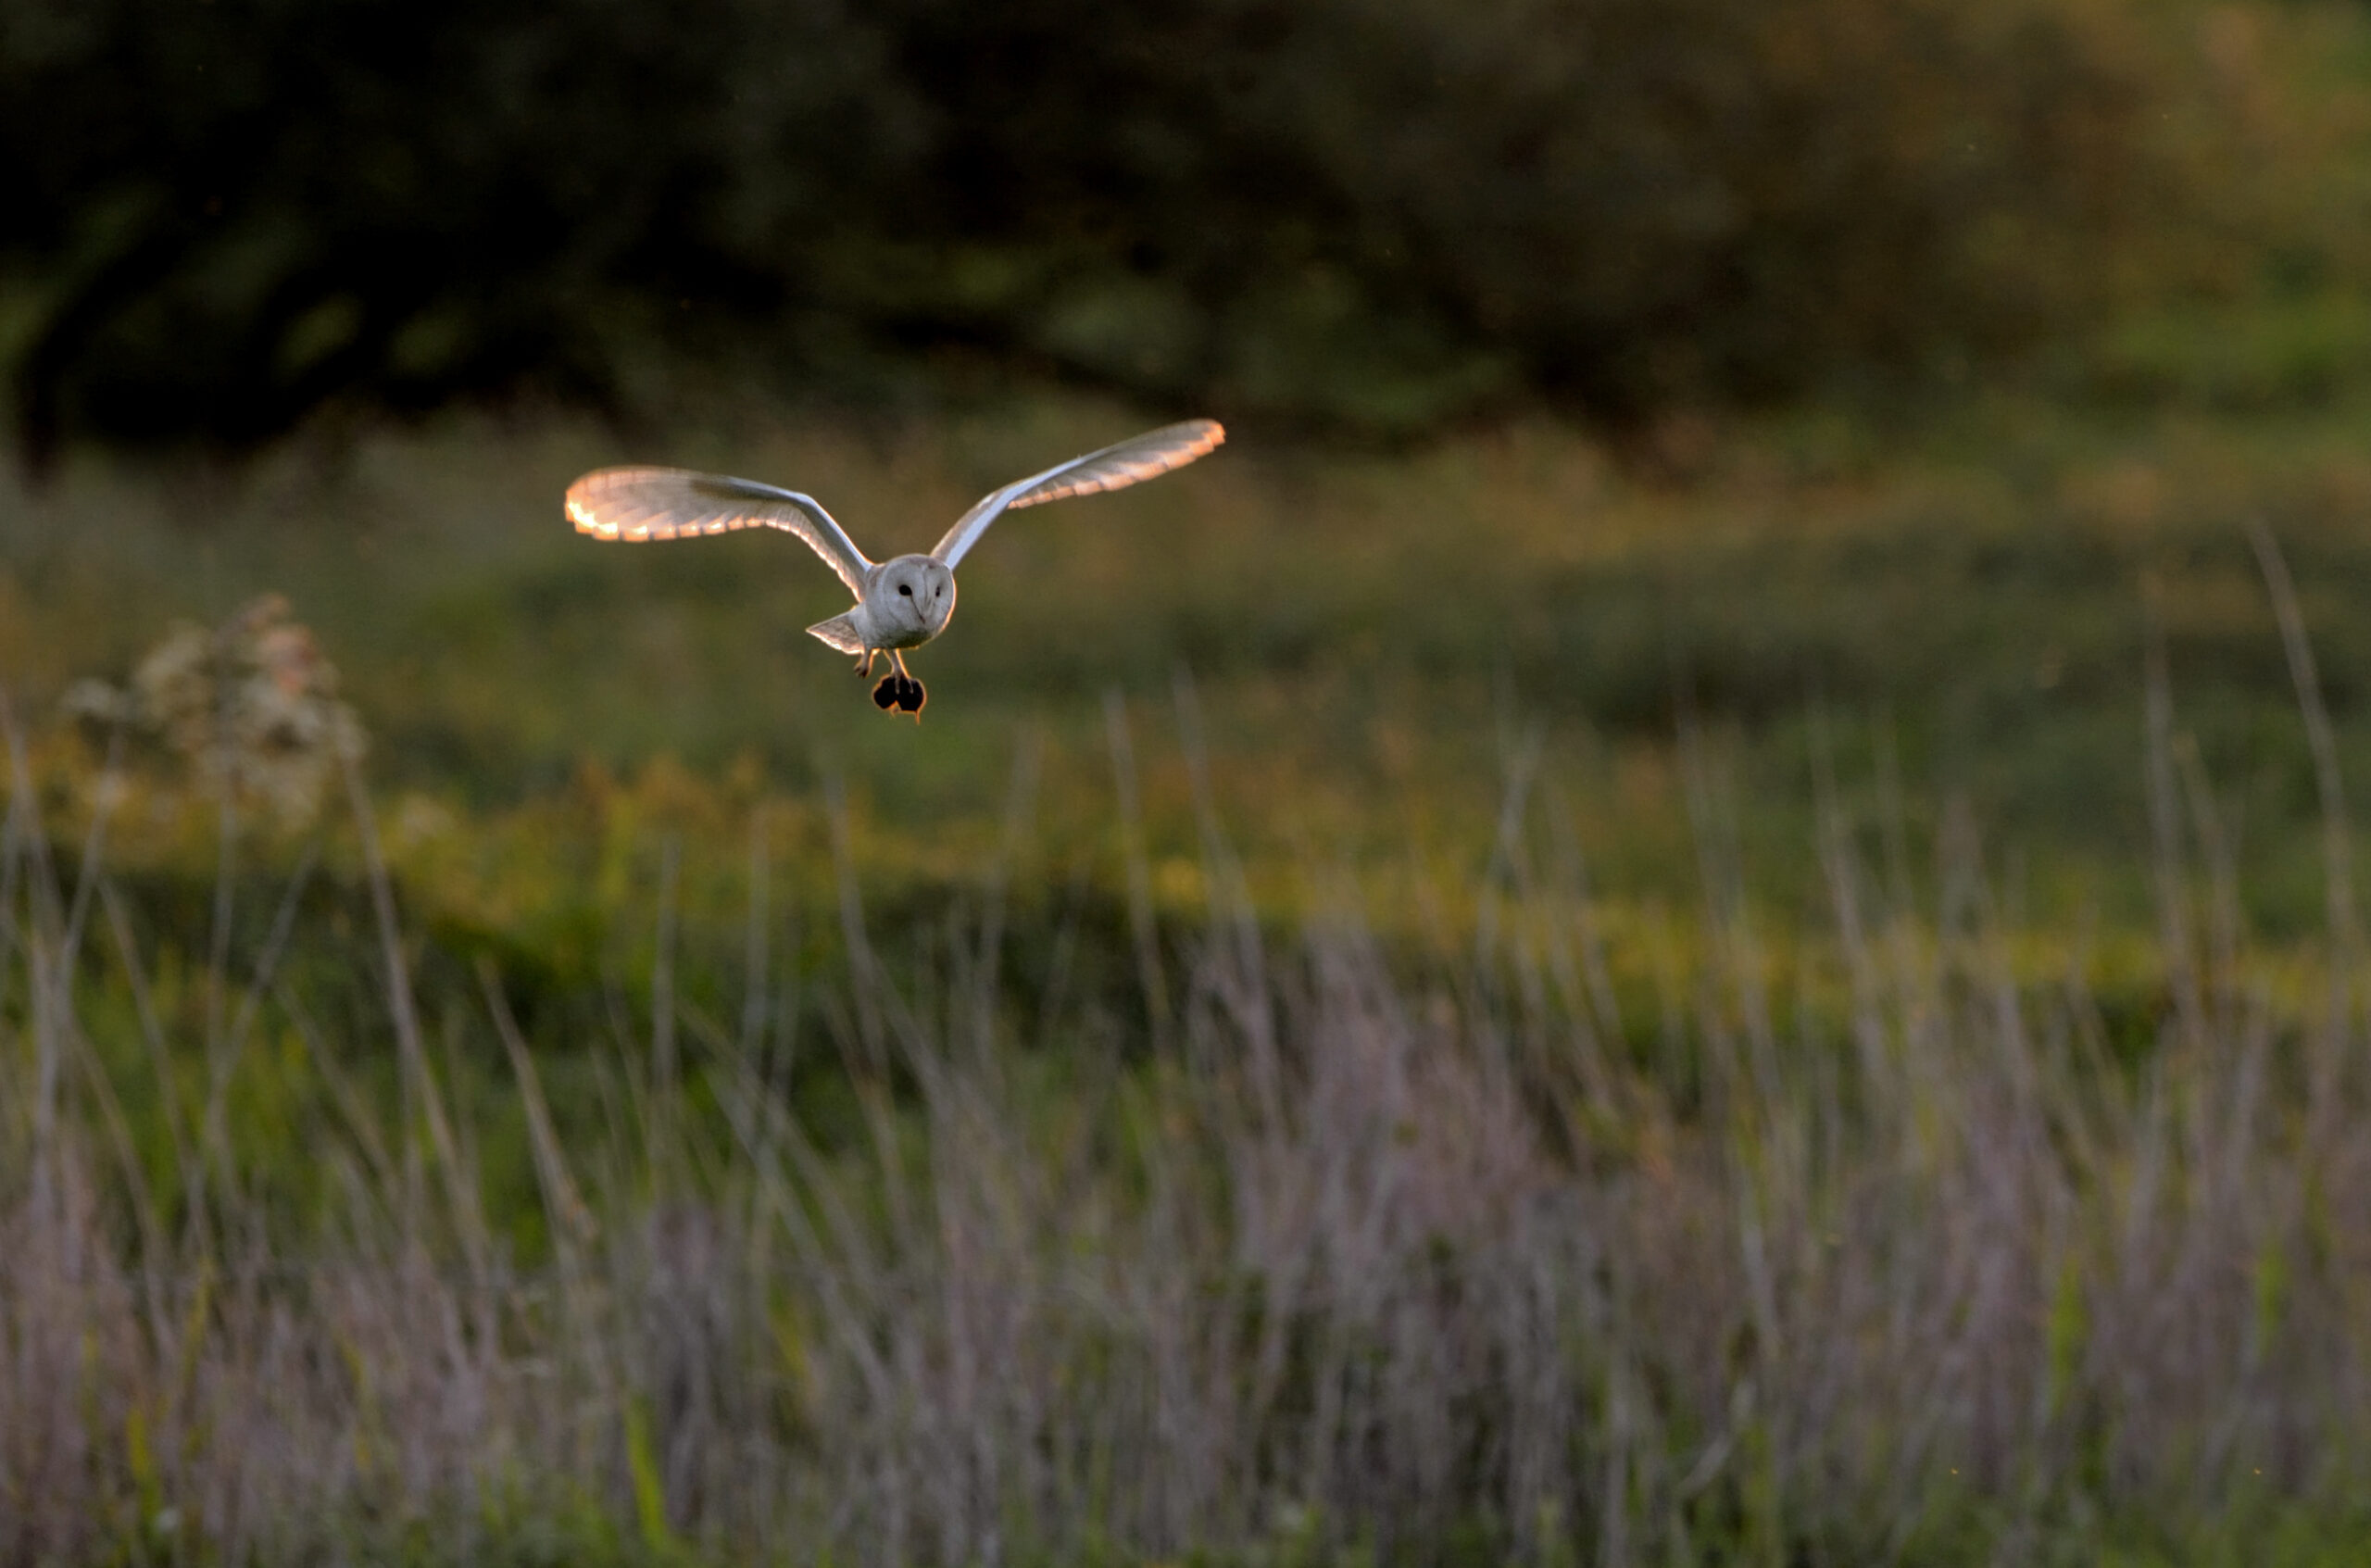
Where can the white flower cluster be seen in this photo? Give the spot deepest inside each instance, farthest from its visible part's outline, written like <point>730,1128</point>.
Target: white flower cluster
<point>251,703</point>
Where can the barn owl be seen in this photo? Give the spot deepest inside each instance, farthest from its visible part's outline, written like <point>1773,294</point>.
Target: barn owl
<point>901,603</point>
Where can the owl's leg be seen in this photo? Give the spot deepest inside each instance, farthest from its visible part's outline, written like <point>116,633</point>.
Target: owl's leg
<point>864,665</point>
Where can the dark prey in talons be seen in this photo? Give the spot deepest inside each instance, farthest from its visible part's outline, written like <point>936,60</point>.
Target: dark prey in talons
<point>901,692</point>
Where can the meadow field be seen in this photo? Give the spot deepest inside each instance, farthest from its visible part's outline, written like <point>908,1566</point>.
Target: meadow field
<point>1791,992</point>
<point>1700,904</point>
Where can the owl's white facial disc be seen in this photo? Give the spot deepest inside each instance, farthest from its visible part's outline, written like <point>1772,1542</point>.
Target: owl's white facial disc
<point>916,594</point>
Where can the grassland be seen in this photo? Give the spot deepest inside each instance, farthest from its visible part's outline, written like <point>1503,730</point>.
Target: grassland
<point>1756,988</point>
<point>1686,1001</point>
<point>1372,642</point>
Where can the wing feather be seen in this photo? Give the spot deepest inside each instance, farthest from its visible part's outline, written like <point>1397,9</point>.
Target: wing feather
<point>1115,468</point>
<point>642,503</point>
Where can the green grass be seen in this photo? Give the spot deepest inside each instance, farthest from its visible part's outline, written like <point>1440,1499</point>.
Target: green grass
<point>1750,851</point>
<point>1369,641</point>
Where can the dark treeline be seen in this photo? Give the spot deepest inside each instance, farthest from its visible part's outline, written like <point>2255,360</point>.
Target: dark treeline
<point>226,214</point>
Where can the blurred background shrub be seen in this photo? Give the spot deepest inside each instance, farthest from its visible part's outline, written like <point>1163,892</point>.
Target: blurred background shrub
<point>1368,215</point>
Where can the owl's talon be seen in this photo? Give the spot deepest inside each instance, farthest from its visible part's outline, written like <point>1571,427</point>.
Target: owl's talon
<point>910,698</point>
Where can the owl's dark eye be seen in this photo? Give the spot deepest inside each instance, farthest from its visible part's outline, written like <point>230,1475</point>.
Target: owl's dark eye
<point>905,590</point>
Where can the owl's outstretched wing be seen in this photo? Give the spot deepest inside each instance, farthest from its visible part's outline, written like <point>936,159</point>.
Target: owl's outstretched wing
<point>1115,468</point>
<point>635,504</point>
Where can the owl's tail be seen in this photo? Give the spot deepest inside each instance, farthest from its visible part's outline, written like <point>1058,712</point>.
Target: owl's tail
<point>839,632</point>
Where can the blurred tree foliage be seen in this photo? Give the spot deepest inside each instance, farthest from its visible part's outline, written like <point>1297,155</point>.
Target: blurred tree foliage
<point>224,214</point>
